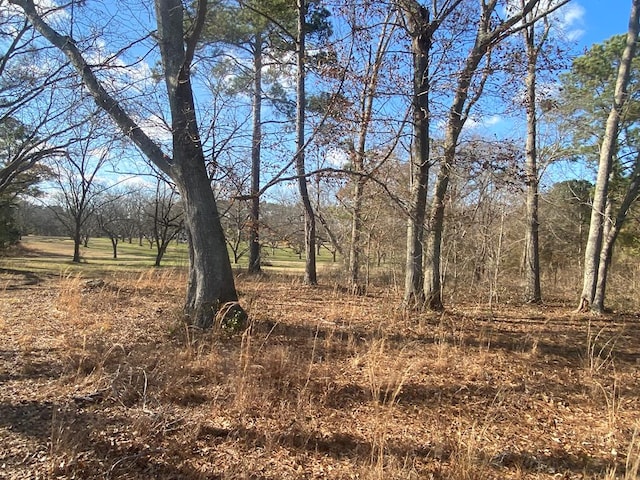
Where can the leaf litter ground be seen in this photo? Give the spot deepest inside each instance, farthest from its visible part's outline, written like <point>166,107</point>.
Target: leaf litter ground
<point>102,379</point>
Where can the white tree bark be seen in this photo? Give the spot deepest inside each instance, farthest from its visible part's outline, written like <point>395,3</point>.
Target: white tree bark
<point>594,249</point>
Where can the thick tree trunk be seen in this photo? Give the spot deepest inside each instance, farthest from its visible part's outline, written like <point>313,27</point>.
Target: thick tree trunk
<point>211,278</point>
<point>593,250</point>
<point>77,242</point>
<point>211,283</point>
<point>256,141</point>
<point>421,31</point>
<point>310,275</point>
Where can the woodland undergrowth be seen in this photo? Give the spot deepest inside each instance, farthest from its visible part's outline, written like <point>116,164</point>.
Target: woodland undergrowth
<point>104,379</point>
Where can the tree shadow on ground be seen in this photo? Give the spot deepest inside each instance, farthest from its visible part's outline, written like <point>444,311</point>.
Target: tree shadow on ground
<point>32,364</point>
<point>540,336</point>
<point>20,278</point>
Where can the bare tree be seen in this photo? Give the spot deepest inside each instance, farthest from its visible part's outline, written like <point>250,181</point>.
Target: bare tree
<point>533,42</point>
<point>167,217</point>
<point>470,80</point>
<point>211,283</point>
<point>363,159</point>
<point>80,190</point>
<point>421,23</point>
<point>112,219</point>
<point>33,123</point>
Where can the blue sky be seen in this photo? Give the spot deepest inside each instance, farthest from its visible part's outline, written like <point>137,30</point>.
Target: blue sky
<point>591,22</point>
<point>600,19</point>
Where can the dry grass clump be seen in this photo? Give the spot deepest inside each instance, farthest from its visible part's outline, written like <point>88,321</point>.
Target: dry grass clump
<point>110,383</point>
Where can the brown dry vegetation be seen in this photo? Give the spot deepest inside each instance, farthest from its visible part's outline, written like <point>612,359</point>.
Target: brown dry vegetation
<point>104,381</point>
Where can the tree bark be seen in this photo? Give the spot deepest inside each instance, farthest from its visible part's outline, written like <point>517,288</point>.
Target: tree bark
<point>455,122</point>
<point>610,235</point>
<point>310,275</point>
<point>421,31</point>
<point>593,250</point>
<point>210,267</point>
<point>433,243</point>
<point>533,291</point>
<point>256,141</point>
<point>77,241</point>
<point>355,250</point>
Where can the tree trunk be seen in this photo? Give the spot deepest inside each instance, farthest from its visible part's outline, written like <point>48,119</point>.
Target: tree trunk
<point>114,247</point>
<point>593,250</point>
<point>310,275</point>
<point>160,255</point>
<point>210,268</point>
<point>533,292</point>
<point>604,260</point>
<point>421,32</point>
<point>211,282</point>
<point>455,122</point>
<point>358,153</point>
<point>211,278</point>
<point>77,242</point>
<point>254,224</point>
<point>610,235</point>
<point>488,34</point>
<point>433,247</point>
<point>334,240</point>
<point>355,250</point>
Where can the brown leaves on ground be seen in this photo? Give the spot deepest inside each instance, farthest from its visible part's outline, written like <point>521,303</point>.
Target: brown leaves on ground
<point>103,380</point>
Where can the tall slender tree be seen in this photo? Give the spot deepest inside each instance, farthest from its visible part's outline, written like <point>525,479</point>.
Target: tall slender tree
<point>362,157</point>
<point>310,272</point>
<point>491,29</point>
<point>255,29</point>
<point>601,237</point>
<point>533,43</point>
<point>421,24</point>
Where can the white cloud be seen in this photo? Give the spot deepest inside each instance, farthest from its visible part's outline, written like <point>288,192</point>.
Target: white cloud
<point>483,122</point>
<point>49,9</point>
<point>156,128</point>
<point>135,181</point>
<point>337,158</point>
<point>570,20</point>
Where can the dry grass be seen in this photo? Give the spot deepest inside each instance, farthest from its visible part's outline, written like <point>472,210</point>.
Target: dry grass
<point>104,380</point>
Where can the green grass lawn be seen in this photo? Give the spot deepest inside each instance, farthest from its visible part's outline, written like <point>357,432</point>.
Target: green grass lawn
<point>52,255</point>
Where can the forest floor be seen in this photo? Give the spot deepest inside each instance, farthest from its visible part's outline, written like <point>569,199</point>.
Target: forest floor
<point>103,380</point>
